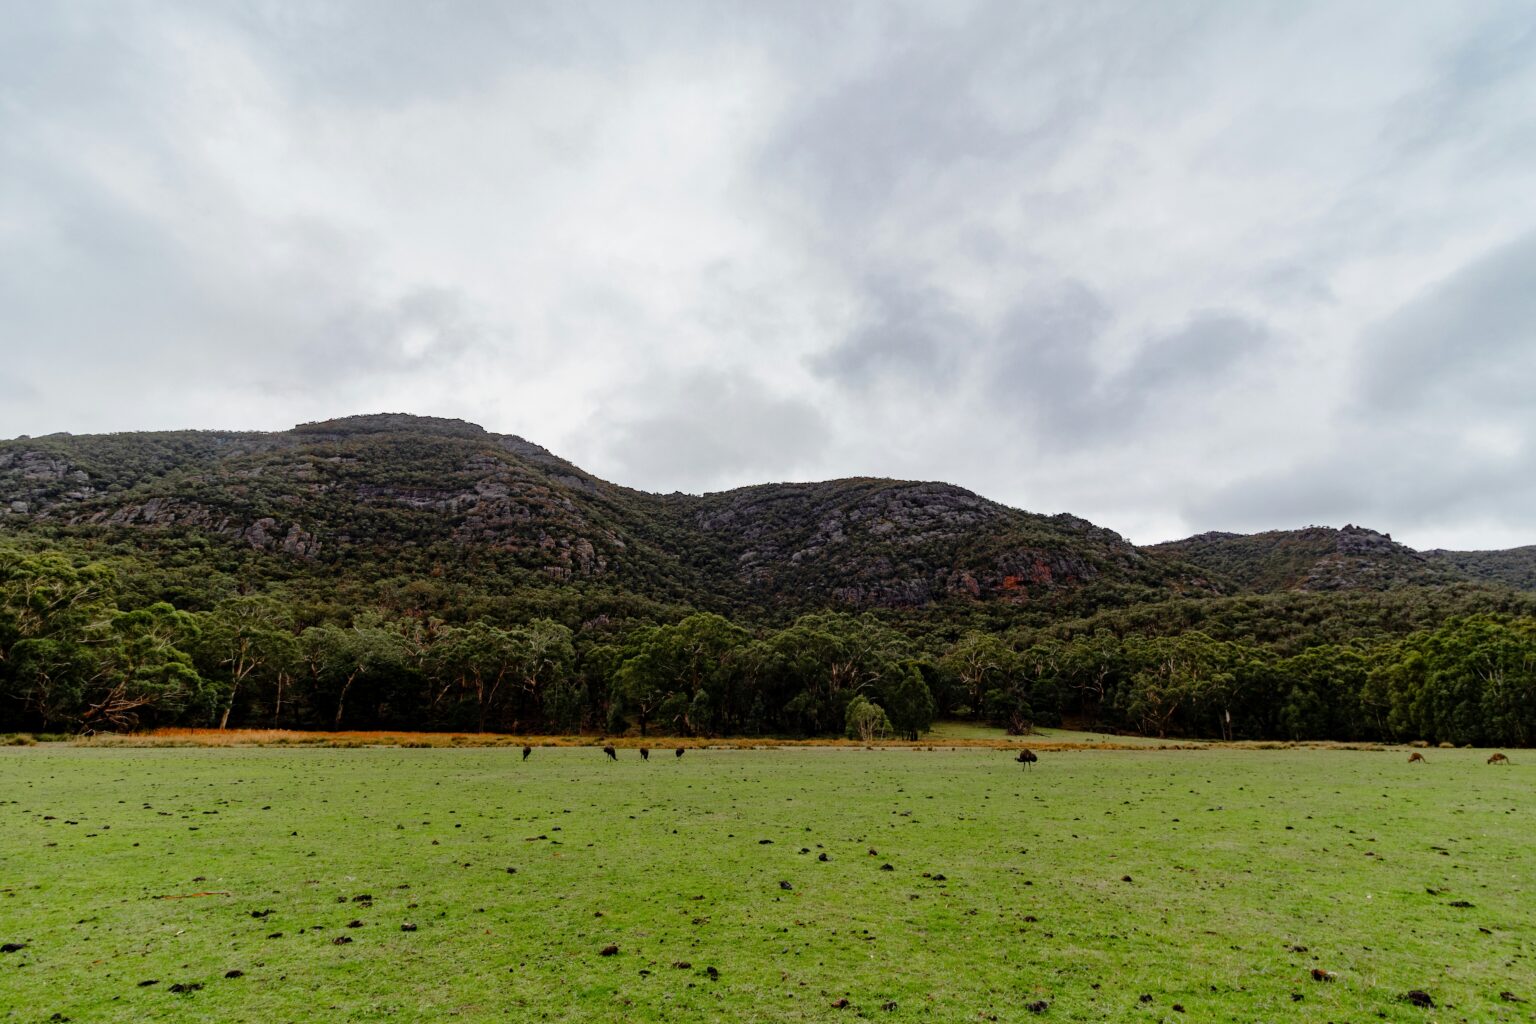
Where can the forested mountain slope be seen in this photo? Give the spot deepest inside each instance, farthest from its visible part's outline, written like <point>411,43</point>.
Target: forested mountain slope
<point>1515,567</point>
<point>1317,558</point>
<point>392,496</point>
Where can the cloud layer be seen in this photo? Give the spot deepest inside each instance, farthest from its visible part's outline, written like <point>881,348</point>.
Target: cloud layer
<point>1173,268</point>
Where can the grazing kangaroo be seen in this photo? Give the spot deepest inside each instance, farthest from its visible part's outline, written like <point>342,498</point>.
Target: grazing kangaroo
<point>645,753</point>
<point>613,755</point>
<point>526,751</point>
<point>1416,757</point>
<point>1498,759</point>
<point>679,752</point>
<point>1026,757</point>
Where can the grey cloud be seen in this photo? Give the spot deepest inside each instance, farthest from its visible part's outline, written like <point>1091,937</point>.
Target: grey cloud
<point>986,98</point>
<point>1492,63</point>
<point>1044,368</point>
<point>14,389</point>
<point>1411,481</point>
<point>1209,344</point>
<point>911,333</point>
<point>855,145</point>
<point>427,327</point>
<point>710,430</point>
<point>1041,368</point>
<point>1294,284</point>
<point>153,298</point>
<point>1467,345</point>
<point>1409,451</point>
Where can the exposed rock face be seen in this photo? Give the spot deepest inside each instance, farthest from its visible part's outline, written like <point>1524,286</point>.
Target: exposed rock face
<point>1361,558</point>
<point>31,478</point>
<point>268,535</point>
<point>897,543</point>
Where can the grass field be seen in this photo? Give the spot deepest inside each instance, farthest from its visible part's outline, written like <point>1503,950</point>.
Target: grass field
<point>1106,885</point>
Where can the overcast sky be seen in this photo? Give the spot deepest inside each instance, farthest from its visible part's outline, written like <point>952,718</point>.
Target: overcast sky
<point>1173,267</point>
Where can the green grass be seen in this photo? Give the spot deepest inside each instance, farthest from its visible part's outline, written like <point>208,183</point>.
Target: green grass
<point>1237,859</point>
<point>955,730</point>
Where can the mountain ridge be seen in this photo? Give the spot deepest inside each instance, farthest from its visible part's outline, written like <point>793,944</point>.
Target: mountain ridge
<point>425,492</point>
<point>435,496</point>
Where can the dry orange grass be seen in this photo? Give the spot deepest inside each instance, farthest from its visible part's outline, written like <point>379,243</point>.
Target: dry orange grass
<point>297,738</point>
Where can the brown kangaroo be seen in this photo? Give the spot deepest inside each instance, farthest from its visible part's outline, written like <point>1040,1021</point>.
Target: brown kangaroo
<point>1416,756</point>
<point>1498,759</point>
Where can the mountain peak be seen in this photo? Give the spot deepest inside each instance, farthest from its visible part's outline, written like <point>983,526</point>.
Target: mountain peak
<point>392,423</point>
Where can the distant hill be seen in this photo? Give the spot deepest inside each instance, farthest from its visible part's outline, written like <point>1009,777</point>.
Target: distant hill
<point>1317,558</point>
<point>1515,567</point>
<point>392,495</point>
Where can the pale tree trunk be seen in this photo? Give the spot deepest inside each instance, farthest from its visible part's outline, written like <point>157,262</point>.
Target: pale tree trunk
<point>341,701</point>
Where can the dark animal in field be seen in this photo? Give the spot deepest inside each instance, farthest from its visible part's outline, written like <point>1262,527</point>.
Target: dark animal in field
<point>1026,757</point>
<point>1416,757</point>
<point>645,753</point>
<point>678,752</point>
<point>526,752</point>
<point>1498,759</point>
<point>613,755</point>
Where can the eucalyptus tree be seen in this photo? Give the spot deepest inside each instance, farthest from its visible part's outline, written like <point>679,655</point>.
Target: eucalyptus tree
<point>140,666</point>
<point>825,660</point>
<point>908,698</point>
<point>543,656</point>
<point>474,661</point>
<point>983,663</point>
<point>48,607</point>
<point>689,668</point>
<point>1188,675</point>
<point>337,657</point>
<point>245,640</point>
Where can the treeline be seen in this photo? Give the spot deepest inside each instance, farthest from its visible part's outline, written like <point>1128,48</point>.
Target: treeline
<point>78,653</point>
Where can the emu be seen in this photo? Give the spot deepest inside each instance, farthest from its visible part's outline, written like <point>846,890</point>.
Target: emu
<point>645,753</point>
<point>678,752</point>
<point>613,755</point>
<point>1498,759</point>
<point>1416,757</point>
<point>1026,757</point>
<point>526,751</point>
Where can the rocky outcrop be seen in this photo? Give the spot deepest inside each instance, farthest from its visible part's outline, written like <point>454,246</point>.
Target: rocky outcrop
<point>269,535</point>
<point>900,543</point>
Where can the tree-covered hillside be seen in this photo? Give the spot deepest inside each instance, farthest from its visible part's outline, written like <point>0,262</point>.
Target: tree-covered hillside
<point>1316,558</point>
<point>389,496</point>
<point>1515,567</point>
